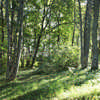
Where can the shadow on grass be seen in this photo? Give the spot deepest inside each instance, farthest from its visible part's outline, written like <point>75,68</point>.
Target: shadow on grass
<point>34,95</point>
<point>44,93</point>
<point>41,92</point>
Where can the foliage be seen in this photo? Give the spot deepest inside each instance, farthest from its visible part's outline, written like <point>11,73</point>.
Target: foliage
<point>60,59</point>
<point>43,31</point>
<point>67,56</point>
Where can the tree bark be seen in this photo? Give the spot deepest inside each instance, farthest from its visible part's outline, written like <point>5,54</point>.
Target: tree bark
<point>2,25</point>
<point>2,22</point>
<point>14,68</point>
<point>39,38</point>
<point>87,33</point>
<point>8,33</point>
<point>12,26</point>
<point>22,56</point>
<point>74,24</point>
<point>94,35</point>
<point>49,31</point>
<point>81,35</point>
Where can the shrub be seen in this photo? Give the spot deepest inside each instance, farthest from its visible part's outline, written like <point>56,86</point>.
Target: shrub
<point>61,59</point>
<point>67,57</point>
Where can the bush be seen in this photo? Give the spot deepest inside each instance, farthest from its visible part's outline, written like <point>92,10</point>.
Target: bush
<point>60,59</point>
<point>67,57</point>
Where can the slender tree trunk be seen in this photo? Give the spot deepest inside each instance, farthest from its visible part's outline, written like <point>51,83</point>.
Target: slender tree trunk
<point>8,56</point>
<point>15,35</point>
<point>36,50</point>
<point>78,40</point>
<point>74,24</point>
<point>42,29</point>
<point>39,38</point>
<point>43,51</point>
<point>87,33</point>
<point>2,40</point>
<point>22,56</point>
<point>34,39</point>
<point>11,33</point>
<point>28,60</point>
<point>49,31</point>
<point>58,36</point>
<point>99,41</point>
<point>73,35</point>
<point>94,35</point>
<point>2,21</point>
<point>12,25</point>
<point>81,35</point>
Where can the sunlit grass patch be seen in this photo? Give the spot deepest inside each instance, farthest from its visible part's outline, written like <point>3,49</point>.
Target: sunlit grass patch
<point>63,85</point>
<point>90,89</point>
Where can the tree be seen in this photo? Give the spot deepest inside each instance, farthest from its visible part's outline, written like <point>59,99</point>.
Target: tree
<point>81,35</point>
<point>56,8</point>
<point>94,35</point>
<point>74,23</point>
<point>13,64</point>
<point>87,27</point>
<point>2,38</point>
<point>8,53</point>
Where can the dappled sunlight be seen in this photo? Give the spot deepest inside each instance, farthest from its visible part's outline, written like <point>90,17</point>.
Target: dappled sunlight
<point>89,88</point>
<point>49,50</point>
<point>61,85</point>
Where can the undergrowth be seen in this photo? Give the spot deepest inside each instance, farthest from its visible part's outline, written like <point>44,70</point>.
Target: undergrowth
<point>65,85</point>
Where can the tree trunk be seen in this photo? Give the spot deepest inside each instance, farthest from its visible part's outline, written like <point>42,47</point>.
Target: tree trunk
<point>49,31</point>
<point>36,50</point>
<point>8,56</point>
<point>11,34</point>
<point>87,33</point>
<point>74,24</point>
<point>78,40</point>
<point>12,26</point>
<point>14,69</point>
<point>39,38</point>
<point>22,56</point>
<point>81,35</point>
<point>2,25</point>
<point>94,35</point>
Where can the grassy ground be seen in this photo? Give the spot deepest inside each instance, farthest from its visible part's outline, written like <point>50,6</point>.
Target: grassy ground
<point>80,85</point>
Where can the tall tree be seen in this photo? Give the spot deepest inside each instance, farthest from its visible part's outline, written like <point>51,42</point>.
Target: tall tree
<point>74,22</point>
<point>8,33</point>
<point>20,40</point>
<point>94,35</point>
<point>2,37</point>
<point>12,25</point>
<point>41,32</point>
<point>87,27</point>
<point>12,69</point>
<point>81,34</point>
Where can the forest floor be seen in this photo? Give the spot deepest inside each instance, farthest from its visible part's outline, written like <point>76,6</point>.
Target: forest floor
<point>65,85</point>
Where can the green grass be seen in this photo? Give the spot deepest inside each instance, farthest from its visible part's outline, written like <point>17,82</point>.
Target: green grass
<point>80,84</point>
